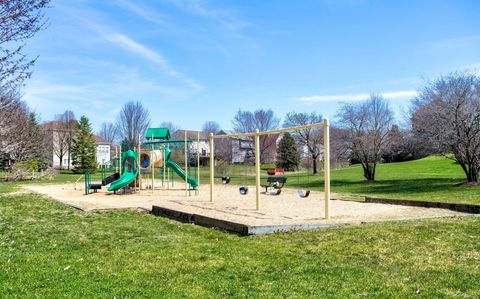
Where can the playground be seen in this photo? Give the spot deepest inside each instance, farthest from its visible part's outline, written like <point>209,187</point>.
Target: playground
<point>287,209</point>
<point>161,175</point>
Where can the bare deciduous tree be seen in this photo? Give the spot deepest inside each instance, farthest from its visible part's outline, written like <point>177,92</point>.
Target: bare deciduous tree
<point>69,125</point>
<point>211,127</point>
<point>20,136</point>
<point>446,115</point>
<point>60,138</point>
<point>133,121</point>
<point>368,123</point>
<point>20,20</point>
<point>170,126</point>
<point>263,120</point>
<point>340,150</point>
<point>311,138</point>
<point>108,131</point>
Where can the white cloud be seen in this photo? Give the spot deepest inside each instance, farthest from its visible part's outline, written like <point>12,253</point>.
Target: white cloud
<point>144,12</point>
<point>146,53</point>
<point>357,97</point>
<point>458,42</point>
<point>223,16</point>
<point>133,46</point>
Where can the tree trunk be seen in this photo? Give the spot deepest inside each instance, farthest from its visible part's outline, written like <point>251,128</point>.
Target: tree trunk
<point>69,155</point>
<point>61,161</point>
<point>368,173</point>
<point>314,164</point>
<point>472,174</point>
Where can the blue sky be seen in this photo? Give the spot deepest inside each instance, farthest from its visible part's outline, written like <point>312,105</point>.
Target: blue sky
<point>190,61</point>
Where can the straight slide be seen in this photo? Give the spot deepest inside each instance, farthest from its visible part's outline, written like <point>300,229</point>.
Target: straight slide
<point>171,164</point>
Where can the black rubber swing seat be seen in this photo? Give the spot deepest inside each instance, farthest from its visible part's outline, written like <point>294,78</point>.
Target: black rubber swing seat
<point>303,194</point>
<point>243,190</point>
<point>225,179</point>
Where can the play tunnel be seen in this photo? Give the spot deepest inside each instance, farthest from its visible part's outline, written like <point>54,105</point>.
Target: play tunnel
<point>155,157</point>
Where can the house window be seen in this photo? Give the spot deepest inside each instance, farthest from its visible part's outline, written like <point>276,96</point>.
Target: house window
<point>65,161</point>
<point>204,152</point>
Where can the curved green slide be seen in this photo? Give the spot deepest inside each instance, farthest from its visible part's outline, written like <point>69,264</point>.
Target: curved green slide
<point>130,171</point>
<point>173,165</point>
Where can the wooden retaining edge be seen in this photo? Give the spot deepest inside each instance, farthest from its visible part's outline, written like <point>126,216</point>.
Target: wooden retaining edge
<point>238,228</point>
<point>465,208</point>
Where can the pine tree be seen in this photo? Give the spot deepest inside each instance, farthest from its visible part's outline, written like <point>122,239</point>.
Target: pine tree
<point>84,149</point>
<point>124,145</point>
<point>287,154</point>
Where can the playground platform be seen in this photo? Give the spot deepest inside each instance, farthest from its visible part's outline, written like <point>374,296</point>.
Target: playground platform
<point>236,213</point>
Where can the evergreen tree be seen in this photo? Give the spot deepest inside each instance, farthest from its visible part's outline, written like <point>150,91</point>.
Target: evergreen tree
<point>287,154</point>
<point>124,145</point>
<point>84,149</point>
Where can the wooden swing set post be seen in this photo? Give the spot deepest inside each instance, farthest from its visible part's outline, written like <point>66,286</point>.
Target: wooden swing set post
<point>120,160</point>
<point>164,167</point>
<point>257,169</point>
<point>198,158</point>
<point>212,165</point>
<point>138,165</point>
<point>186,165</point>
<point>326,143</point>
<point>326,166</point>
<point>152,167</point>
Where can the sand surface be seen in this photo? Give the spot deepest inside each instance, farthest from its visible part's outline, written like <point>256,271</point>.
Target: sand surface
<point>285,209</point>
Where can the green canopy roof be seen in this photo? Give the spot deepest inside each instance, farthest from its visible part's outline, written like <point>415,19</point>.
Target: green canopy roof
<point>157,134</point>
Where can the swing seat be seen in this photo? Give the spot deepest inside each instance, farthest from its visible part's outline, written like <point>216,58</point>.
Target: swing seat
<point>303,194</point>
<point>243,190</point>
<point>225,179</point>
<point>275,191</point>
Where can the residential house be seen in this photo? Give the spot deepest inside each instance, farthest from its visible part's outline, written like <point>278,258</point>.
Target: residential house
<point>57,146</point>
<point>199,144</point>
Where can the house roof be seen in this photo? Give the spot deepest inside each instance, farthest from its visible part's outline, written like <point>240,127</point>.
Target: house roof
<point>100,140</point>
<point>157,134</point>
<point>191,135</point>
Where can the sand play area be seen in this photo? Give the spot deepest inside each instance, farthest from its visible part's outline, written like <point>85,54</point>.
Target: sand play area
<point>285,209</point>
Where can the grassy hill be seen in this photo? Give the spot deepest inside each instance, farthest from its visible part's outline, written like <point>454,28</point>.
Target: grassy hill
<point>431,178</point>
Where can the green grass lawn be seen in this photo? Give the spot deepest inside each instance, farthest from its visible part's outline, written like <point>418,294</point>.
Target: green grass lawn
<point>50,250</point>
<point>63,176</point>
<point>431,179</point>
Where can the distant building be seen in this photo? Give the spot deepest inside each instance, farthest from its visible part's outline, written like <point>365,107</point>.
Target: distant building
<point>200,144</point>
<point>103,151</point>
<point>54,134</point>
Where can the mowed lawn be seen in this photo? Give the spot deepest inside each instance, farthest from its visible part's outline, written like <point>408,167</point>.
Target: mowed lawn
<point>431,179</point>
<point>51,250</point>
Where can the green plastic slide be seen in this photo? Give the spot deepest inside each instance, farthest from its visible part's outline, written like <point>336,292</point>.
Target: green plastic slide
<point>130,171</point>
<point>171,164</point>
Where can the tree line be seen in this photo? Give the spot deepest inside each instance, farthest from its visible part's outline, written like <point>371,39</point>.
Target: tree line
<point>444,118</point>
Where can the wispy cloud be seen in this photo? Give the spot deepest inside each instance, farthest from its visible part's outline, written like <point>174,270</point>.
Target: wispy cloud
<point>144,12</point>
<point>457,42</point>
<point>221,15</point>
<point>357,97</point>
<point>143,51</point>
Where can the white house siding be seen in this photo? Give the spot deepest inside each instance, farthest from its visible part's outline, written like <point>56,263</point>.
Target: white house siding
<point>103,154</point>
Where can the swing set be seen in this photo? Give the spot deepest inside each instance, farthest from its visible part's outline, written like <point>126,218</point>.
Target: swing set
<point>243,189</point>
